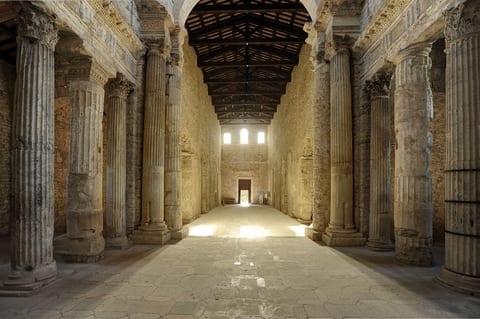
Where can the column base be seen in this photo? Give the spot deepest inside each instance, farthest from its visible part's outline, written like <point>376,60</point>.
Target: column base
<point>180,233</point>
<point>148,236</point>
<point>118,243</point>
<point>379,246</point>
<point>23,283</point>
<point>461,283</point>
<point>79,250</point>
<point>414,251</point>
<point>304,221</point>
<point>343,238</point>
<point>313,234</point>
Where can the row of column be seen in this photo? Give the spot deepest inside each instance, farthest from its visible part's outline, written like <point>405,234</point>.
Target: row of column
<point>413,111</point>
<point>32,260</point>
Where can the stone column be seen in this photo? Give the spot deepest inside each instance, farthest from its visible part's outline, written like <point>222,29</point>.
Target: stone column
<point>462,171</point>
<point>173,213</point>
<point>153,229</point>
<point>380,220</point>
<point>321,141</point>
<point>341,229</point>
<point>413,183</point>
<point>84,240</point>
<point>115,210</point>
<point>32,260</point>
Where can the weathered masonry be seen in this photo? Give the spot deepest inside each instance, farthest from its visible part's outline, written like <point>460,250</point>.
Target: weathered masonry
<point>122,121</point>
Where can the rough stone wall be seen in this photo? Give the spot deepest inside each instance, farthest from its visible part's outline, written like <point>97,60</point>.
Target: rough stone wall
<point>200,142</point>
<point>290,144</point>
<point>361,150</point>
<point>437,128</point>
<point>62,151</point>
<point>244,161</point>
<point>7,81</point>
<point>129,12</point>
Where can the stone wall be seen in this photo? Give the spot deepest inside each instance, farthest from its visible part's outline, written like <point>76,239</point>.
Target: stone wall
<point>290,144</point>
<point>7,81</point>
<point>200,142</point>
<point>62,151</point>
<point>244,161</point>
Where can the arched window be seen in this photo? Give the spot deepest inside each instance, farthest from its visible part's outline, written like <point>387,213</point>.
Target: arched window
<point>261,138</point>
<point>227,138</point>
<point>243,136</point>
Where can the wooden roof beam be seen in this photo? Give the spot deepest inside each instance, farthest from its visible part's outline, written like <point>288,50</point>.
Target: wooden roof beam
<point>245,8</point>
<point>243,42</point>
<point>246,64</point>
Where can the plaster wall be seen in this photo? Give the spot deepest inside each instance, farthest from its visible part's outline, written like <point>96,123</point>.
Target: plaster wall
<point>200,142</point>
<point>290,142</point>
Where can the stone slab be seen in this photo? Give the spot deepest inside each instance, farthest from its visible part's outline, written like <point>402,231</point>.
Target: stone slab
<point>343,239</point>
<point>151,237</point>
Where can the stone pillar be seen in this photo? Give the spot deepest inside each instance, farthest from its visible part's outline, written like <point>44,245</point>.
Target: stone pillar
<point>413,183</point>
<point>115,210</point>
<point>341,228</point>
<point>32,260</point>
<point>321,141</point>
<point>173,213</point>
<point>380,220</point>
<point>153,229</point>
<point>462,171</point>
<point>84,240</point>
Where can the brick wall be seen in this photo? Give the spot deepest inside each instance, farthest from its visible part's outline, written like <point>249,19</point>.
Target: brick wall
<point>244,161</point>
<point>200,142</point>
<point>290,144</point>
<point>7,81</point>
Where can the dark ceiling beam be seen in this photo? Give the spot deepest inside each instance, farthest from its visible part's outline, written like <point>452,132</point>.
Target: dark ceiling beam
<point>245,8</point>
<point>269,104</point>
<point>243,42</point>
<point>275,25</point>
<point>215,27</point>
<point>237,117</point>
<point>244,64</point>
<point>269,93</point>
<point>245,111</point>
<point>245,81</point>
<point>244,122</point>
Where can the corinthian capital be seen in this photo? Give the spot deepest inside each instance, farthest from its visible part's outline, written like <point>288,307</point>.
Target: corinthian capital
<point>119,86</point>
<point>461,21</point>
<point>35,24</point>
<point>337,44</point>
<point>379,86</point>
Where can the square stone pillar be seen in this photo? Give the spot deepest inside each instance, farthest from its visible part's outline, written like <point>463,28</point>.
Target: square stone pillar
<point>31,258</point>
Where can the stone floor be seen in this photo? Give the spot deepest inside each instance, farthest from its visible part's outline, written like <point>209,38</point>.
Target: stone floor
<point>232,277</point>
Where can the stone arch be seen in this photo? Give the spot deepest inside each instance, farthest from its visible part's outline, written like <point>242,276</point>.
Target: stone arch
<point>182,9</point>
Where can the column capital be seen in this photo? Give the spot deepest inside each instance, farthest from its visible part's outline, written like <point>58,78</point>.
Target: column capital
<point>119,86</point>
<point>421,49</point>
<point>461,21</point>
<point>35,24</point>
<point>378,86</point>
<point>338,44</point>
<point>316,39</point>
<point>157,46</point>
<point>85,68</point>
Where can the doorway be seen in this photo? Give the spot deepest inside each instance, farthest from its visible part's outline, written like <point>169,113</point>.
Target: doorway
<point>244,191</point>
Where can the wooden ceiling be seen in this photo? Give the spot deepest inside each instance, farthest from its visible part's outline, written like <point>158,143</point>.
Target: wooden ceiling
<point>247,50</point>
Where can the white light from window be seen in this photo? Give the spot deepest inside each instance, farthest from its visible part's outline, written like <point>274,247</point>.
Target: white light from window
<point>243,136</point>
<point>227,138</point>
<point>261,138</point>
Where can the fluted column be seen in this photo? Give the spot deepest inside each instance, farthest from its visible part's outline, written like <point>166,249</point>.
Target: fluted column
<point>462,171</point>
<point>413,182</point>
<point>84,240</point>
<point>115,210</point>
<point>380,219</point>
<point>341,228</point>
<point>153,229</point>
<point>173,213</point>
<point>32,260</point>
<point>321,138</point>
